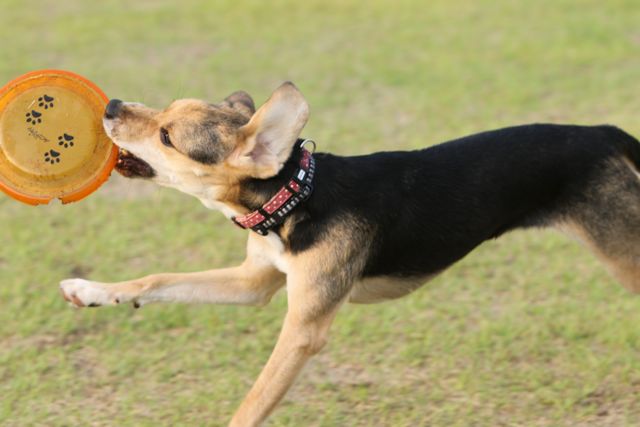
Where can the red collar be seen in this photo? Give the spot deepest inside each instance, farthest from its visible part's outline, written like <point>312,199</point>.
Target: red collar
<point>297,190</point>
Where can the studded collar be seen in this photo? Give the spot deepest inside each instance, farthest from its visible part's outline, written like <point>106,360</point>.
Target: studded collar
<point>294,192</point>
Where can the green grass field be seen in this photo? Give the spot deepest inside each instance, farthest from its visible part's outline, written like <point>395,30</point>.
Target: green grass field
<point>527,331</point>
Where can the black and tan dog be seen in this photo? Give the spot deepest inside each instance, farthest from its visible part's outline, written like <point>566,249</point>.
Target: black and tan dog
<point>360,229</point>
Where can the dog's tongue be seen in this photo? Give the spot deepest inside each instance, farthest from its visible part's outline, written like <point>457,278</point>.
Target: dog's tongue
<point>131,166</point>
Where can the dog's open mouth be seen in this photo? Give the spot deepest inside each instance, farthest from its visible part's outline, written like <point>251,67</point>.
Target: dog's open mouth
<point>131,166</point>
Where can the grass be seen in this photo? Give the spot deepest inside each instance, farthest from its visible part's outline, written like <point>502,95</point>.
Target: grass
<point>526,331</point>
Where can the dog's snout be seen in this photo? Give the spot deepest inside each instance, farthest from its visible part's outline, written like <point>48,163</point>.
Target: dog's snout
<point>113,108</point>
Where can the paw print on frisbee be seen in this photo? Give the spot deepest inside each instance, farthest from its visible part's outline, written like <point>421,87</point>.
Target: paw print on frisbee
<point>65,140</point>
<point>34,117</point>
<point>52,157</point>
<point>45,101</point>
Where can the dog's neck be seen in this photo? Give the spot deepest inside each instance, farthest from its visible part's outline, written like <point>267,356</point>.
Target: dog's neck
<point>250,194</point>
<point>274,201</point>
<point>255,192</point>
<point>246,195</point>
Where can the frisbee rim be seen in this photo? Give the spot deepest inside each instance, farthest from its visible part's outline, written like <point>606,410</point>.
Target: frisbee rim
<point>93,184</point>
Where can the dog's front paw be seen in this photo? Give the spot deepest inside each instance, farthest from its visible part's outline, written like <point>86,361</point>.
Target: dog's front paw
<point>85,293</point>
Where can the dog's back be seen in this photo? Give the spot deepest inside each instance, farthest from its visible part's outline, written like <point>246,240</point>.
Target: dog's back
<point>426,209</point>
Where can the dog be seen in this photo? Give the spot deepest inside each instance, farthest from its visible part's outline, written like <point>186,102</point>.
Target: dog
<point>360,229</point>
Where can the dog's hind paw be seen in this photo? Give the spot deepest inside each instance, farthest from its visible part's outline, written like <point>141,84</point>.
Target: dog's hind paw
<point>85,293</point>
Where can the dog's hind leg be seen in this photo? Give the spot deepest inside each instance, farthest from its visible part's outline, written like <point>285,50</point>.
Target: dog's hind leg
<point>606,218</point>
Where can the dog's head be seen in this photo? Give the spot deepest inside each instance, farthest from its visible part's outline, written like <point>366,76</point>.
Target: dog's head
<point>204,149</point>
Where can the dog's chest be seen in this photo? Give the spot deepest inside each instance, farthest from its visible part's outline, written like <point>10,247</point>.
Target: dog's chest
<point>277,253</point>
<point>269,249</point>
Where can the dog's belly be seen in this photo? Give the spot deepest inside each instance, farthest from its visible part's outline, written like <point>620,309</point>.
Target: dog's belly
<point>371,290</point>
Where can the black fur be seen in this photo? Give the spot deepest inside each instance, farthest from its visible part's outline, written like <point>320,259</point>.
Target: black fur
<point>241,101</point>
<point>431,207</point>
<point>210,151</point>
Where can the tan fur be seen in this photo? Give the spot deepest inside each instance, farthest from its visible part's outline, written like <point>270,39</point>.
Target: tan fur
<point>378,289</point>
<point>622,266</point>
<point>614,239</point>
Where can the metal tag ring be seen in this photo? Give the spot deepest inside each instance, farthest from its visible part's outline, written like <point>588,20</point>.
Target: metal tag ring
<point>309,141</point>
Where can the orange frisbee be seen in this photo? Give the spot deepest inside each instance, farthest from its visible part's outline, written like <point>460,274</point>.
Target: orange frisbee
<point>52,144</point>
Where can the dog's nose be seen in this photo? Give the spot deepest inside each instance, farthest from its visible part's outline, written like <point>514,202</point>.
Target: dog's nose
<point>113,109</point>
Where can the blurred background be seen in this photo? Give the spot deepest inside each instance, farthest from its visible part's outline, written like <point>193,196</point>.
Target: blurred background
<point>528,330</point>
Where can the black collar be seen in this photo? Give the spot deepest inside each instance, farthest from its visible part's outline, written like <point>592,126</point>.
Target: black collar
<point>294,192</point>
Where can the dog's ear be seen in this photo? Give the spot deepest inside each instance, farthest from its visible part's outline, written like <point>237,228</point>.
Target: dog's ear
<point>265,143</point>
<point>242,102</point>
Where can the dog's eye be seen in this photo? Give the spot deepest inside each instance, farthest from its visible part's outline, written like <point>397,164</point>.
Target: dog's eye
<point>164,137</point>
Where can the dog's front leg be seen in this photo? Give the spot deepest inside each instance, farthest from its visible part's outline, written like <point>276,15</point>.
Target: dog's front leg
<point>252,283</point>
<point>312,308</point>
<point>248,284</point>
